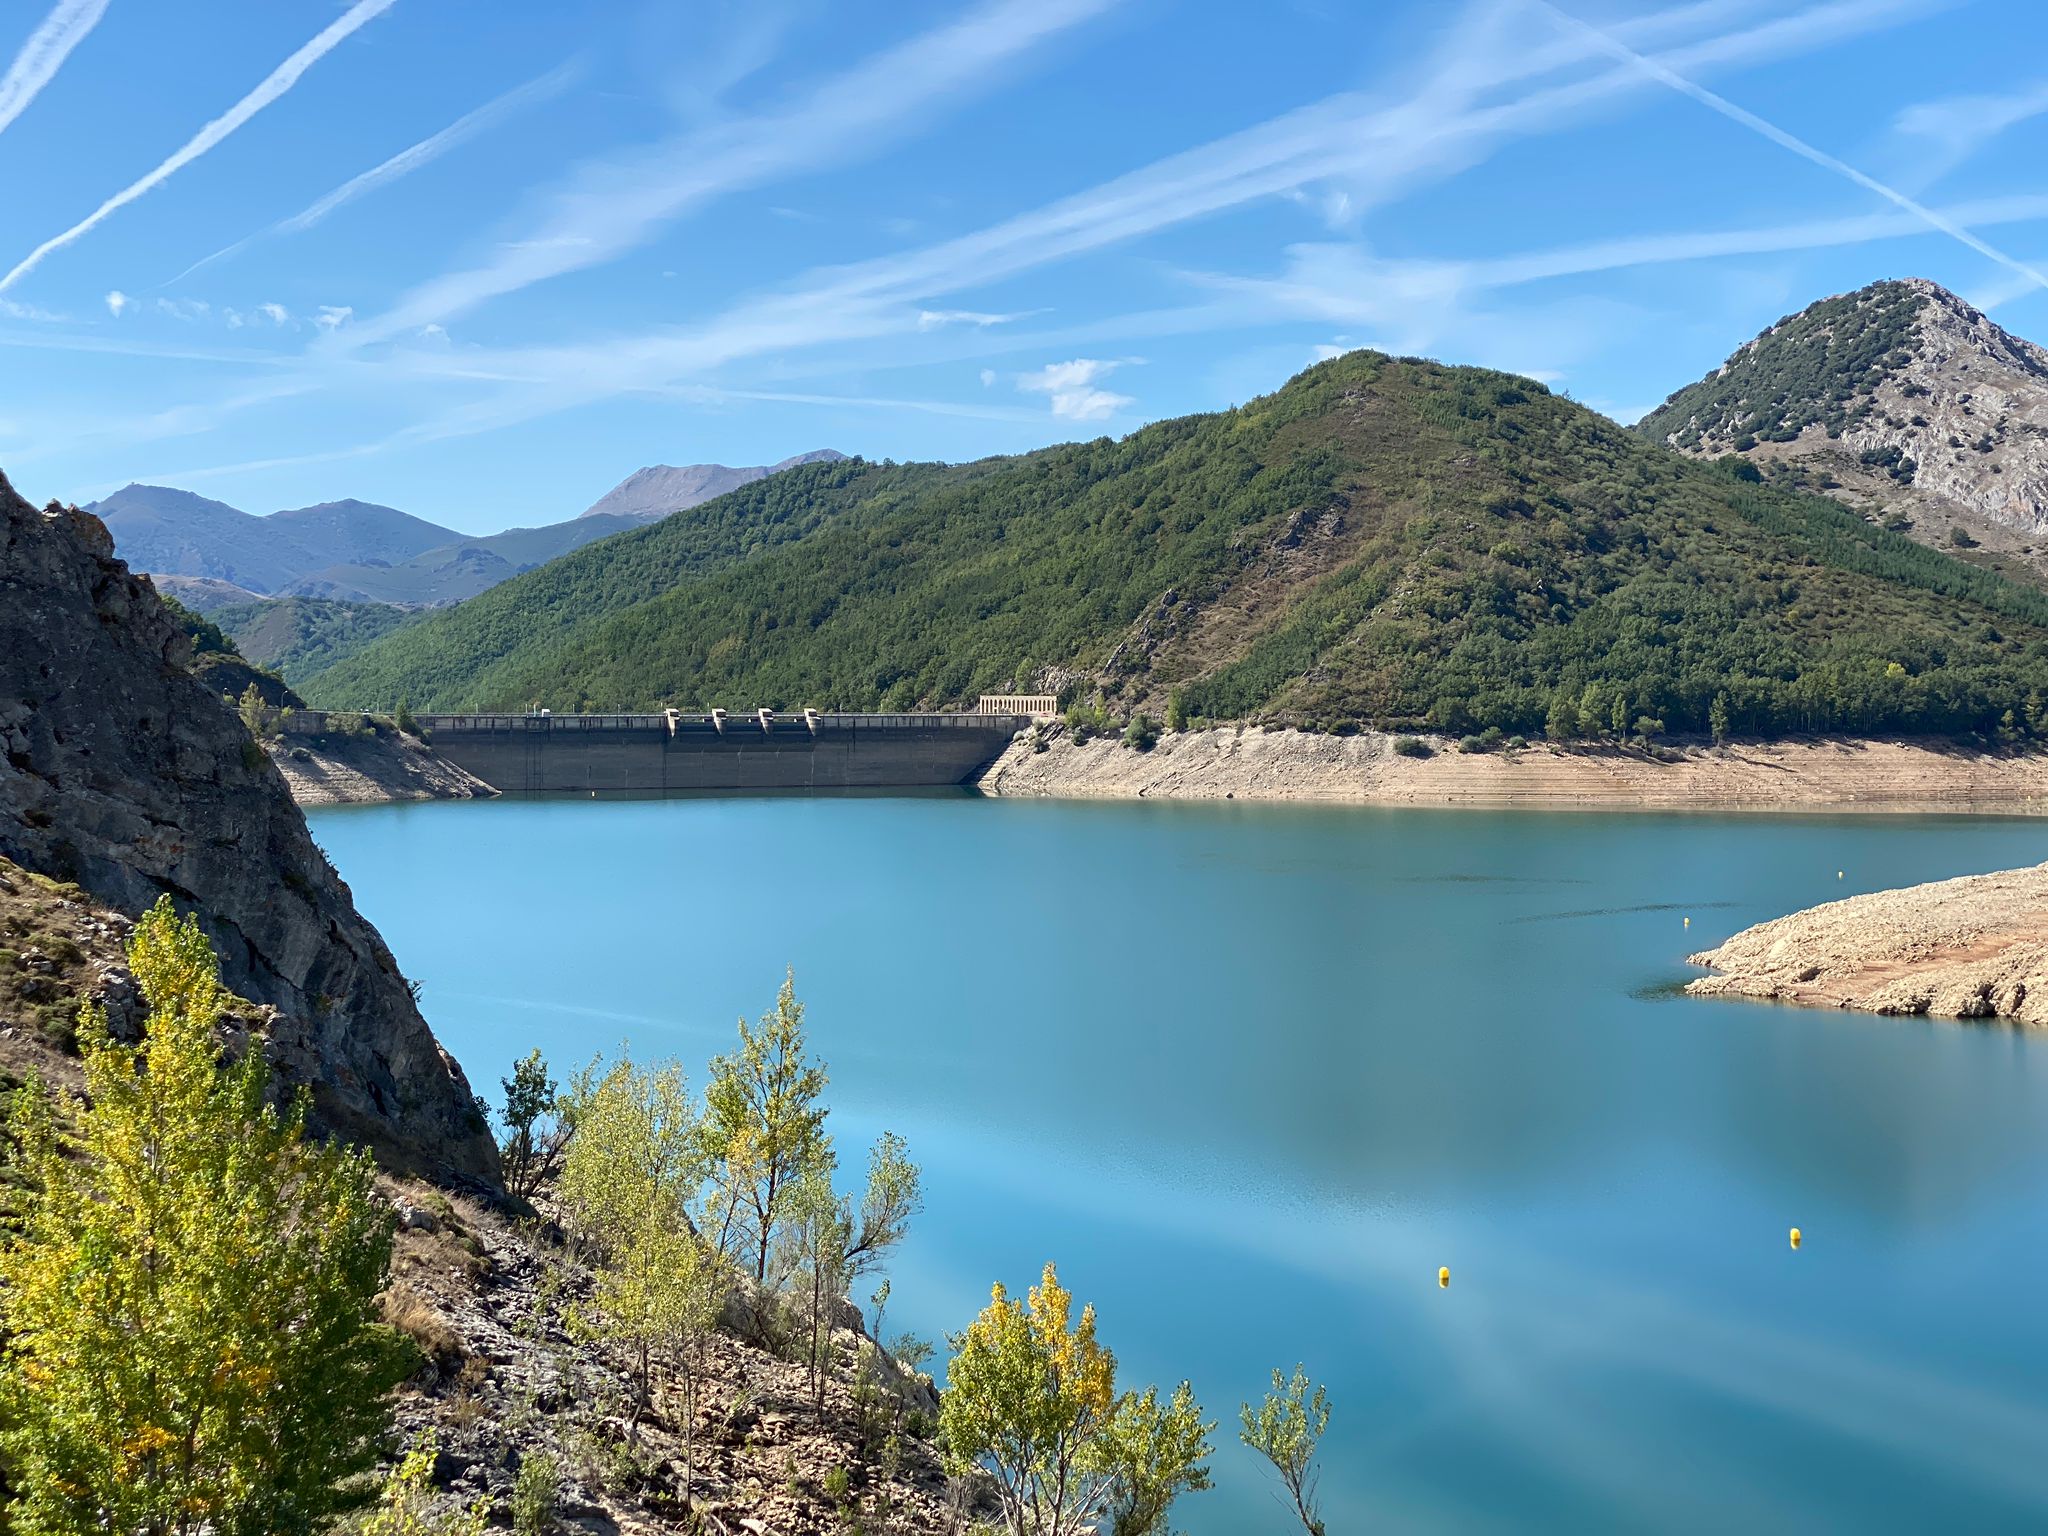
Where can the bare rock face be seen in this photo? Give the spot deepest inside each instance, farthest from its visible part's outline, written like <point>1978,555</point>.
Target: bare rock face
<point>123,773</point>
<point>1907,396</point>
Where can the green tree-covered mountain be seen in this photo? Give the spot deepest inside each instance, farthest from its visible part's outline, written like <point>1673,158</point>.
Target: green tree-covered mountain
<point>1384,541</point>
<point>297,636</point>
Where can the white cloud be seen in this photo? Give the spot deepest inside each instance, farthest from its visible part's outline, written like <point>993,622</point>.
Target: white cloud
<point>184,309</point>
<point>612,205</point>
<point>333,316</point>
<point>1957,127</point>
<point>406,161</point>
<point>932,319</point>
<point>988,377</point>
<point>233,318</point>
<point>44,54</point>
<point>274,85</point>
<point>276,314</point>
<point>1071,388</point>
<point>1325,350</point>
<point>1387,145</point>
<point>118,303</point>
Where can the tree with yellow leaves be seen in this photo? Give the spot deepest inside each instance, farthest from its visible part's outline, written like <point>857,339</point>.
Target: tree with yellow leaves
<point>1031,1399</point>
<point>188,1301</point>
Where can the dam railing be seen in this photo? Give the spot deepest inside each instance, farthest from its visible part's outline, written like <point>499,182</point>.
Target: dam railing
<point>316,721</point>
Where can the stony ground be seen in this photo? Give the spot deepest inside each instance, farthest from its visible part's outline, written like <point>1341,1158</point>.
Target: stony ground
<point>332,769</point>
<point>1258,764</point>
<point>510,1376</point>
<point>1972,948</point>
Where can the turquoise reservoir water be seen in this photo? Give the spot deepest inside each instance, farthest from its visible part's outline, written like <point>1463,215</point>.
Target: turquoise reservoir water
<point>1250,1074</point>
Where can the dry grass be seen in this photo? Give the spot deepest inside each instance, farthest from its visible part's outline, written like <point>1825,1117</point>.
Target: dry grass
<point>413,1315</point>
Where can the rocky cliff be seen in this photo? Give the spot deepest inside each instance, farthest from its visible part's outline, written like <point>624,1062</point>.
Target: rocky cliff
<point>1912,402</point>
<point>123,773</point>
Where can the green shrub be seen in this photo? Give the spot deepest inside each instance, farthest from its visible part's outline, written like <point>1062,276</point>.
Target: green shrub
<point>1411,746</point>
<point>1142,733</point>
<point>535,1494</point>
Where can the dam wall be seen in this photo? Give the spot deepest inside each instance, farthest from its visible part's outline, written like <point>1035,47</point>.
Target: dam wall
<point>677,753</point>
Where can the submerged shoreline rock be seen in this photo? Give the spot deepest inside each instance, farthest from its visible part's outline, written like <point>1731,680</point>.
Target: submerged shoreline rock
<point>1969,948</point>
<point>121,772</point>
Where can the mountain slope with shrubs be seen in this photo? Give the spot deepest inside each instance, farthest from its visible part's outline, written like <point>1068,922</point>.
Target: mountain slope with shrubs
<point>1900,399</point>
<point>1387,542</point>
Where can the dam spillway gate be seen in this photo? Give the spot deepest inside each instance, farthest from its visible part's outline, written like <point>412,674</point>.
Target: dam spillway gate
<point>674,753</point>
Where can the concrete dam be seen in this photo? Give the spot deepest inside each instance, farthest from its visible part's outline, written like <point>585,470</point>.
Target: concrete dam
<point>675,753</point>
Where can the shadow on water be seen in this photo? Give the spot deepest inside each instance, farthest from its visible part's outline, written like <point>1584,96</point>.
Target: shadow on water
<point>1648,906</point>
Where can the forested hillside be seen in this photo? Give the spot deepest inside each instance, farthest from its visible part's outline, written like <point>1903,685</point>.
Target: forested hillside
<point>297,636</point>
<point>1383,541</point>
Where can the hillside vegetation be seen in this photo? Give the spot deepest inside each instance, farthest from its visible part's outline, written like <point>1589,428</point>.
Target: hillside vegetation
<point>1820,367</point>
<point>1384,541</point>
<point>298,636</point>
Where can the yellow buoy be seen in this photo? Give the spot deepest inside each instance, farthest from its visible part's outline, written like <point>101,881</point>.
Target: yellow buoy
<point>1443,1277</point>
<point>1838,874</point>
<point>1795,1237</point>
<point>1688,922</point>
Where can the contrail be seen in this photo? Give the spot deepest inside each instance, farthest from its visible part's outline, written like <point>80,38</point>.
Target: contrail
<point>1798,146</point>
<point>404,163</point>
<point>280,80</point>
<point>44,54</point>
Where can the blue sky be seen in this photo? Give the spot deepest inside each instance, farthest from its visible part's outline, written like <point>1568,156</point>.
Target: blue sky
<point>481,259</point>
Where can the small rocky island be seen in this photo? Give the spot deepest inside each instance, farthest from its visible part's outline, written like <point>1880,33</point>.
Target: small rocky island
<point>1970,948</point>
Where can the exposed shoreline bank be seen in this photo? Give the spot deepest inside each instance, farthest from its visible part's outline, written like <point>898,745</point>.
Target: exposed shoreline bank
<point>1970,948</point>
<point>1260,764</point>
<point>369,770</point>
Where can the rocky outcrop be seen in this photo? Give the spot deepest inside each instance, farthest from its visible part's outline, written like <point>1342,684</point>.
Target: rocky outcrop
<point>1971,948</point>
<point>123,773</point>
<point>1261,764</point>
<point>1908,399</point>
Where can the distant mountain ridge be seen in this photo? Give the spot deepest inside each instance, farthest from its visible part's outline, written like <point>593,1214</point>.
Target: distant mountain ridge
<point>1914,403</point>
<point>360,552</point>
<point>161,528</point>
<point>660,489</point>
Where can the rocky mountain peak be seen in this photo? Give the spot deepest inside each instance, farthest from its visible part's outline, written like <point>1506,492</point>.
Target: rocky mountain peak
<point>1907,397</point>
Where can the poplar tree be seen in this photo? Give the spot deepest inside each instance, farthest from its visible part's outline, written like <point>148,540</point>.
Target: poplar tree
<point>536,1131</point>
<point>1029,1393</point>
<point>188,1300</point>
<point>1153,1452</point>
<point>631,1186</point>
<point>764,1126</point>
<point>1031,1400</point>
<point>1286,1429</point>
